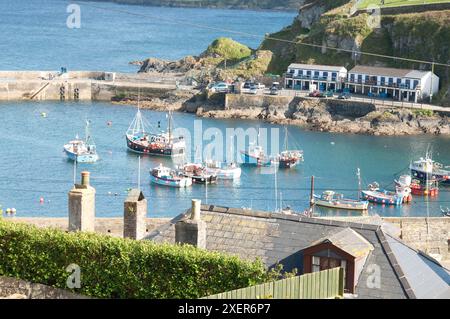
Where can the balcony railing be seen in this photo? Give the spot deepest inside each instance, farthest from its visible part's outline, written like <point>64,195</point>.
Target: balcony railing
<point>384,84</point>
<point>313,78</point>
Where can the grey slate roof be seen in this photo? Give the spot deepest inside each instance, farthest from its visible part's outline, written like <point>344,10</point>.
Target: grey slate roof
<point>393,72</point>
<point>278,238</point>
<point>349,241</point>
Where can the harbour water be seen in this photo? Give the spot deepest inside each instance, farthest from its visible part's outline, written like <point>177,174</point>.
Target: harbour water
<point>32,163</point>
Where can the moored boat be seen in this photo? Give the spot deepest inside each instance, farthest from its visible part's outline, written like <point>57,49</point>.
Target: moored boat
<point>255,156</point>
<point>289,158</point>
<point>375,195</point>
<point>331,199</point>
<point>82,151</point>
<point>168,177</point>
<point>425,188</point>
<point>223,170</point>
<point>161,143</point>
<point>197,173</point>
<point>426,168</point>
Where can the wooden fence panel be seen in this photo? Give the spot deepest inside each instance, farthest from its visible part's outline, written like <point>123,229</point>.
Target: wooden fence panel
<point>319,285</point>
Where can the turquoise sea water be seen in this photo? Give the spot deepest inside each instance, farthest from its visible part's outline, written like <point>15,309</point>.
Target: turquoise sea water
<point>34,34</point>
<point>32,164</point>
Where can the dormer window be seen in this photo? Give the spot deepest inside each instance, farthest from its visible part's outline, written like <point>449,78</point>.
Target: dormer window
<point>346,249</point>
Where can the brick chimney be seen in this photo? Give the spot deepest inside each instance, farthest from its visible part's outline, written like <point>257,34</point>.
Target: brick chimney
<point>192,231</point>
<point>135,215</point>
<point>82,205</point>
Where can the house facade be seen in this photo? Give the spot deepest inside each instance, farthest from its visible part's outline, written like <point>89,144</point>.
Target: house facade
<point>398,84</point>
<point>309,77</point>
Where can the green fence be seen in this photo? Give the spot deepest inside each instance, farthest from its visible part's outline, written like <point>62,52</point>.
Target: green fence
<point>318,285</point>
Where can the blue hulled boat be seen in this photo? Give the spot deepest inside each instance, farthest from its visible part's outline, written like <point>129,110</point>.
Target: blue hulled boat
<point>82,151</point>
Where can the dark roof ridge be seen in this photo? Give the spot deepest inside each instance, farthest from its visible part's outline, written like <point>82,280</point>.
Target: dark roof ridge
<point>395,265</point>
<point>295,218</point>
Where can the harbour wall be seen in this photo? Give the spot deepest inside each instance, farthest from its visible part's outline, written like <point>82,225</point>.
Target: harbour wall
<point>80,85</point>
<point>429,234</point>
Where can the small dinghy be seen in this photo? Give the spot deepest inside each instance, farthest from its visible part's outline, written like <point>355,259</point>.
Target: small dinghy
<point>168,177</point>
<point>331,199</point>
<point>198,173</point>
<point>82,151</point>
<point>223,170</point>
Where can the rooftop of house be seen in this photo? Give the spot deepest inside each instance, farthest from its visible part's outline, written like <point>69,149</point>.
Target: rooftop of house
<point>317,67</point>
<point>280,238</point>
<point>392,72</point>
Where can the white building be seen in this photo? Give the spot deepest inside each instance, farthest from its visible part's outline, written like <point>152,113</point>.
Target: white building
<point>309,77</point>
<point>399,84</point>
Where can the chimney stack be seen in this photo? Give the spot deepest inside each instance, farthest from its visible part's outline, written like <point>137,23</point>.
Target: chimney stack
<point>82,205</point>
<point>135,215</point>
<point>192,231</point>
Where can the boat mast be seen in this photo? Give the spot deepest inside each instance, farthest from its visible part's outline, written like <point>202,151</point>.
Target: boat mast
<point>170,126</point>
<point>285,138</point>
<point>358,173</point>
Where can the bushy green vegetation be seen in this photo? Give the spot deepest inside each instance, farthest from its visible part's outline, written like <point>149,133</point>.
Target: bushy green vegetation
<point>424,113</point>
<point>118,268</point>
<point>228,49</point>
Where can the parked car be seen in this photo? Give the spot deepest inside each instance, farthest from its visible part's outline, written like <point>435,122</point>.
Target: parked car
<point>253,89</point>
<point>316,93</point>
<point>260,86</point>
<point>344,96</point>
<point>274,91</point>
<point>220,88</point>
<point>247,85</point>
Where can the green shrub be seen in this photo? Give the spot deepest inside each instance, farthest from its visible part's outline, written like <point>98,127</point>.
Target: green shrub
<point>121,268</point>
<point>425,113</point>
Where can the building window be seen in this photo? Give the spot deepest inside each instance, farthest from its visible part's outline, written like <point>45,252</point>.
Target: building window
<point>325,74</point>
<point>334,76</point>
<point>416,83</point>
<point>359,77</point>
<point>408,84</point>
<point>315,264</point>
<point>308,74</point>
<point>367,79</point>
<point>352,77</point>
<point>382,80</point>
<point>391,80</point>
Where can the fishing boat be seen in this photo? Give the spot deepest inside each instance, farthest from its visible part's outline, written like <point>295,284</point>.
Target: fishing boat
<point>331,199</point>
<point>223,170</point>
<point>255,156</point>
<point>160,143</point>
<point>403,187</point>
<point>82,151</point>
<point>198,173</point>
<point>289,158</point>
<point>427,168</point>
<point>376,195</point>
<point>165,176</point>
<point>425,188</point>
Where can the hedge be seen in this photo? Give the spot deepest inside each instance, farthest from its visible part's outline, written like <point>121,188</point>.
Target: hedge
<point>120,268</point>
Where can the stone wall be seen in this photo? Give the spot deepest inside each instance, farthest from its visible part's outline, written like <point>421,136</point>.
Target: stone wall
<point>16,288</point>
<point>430,235</point>
<point>245,101</point>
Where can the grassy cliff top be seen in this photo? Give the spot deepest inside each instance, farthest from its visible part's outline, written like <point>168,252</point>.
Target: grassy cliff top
<point>227,48</point>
